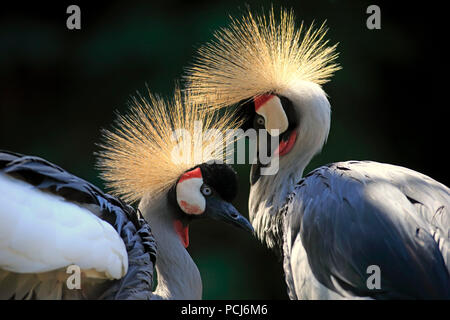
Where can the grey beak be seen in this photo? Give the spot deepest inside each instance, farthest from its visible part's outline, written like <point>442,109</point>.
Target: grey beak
<point>221,210</point>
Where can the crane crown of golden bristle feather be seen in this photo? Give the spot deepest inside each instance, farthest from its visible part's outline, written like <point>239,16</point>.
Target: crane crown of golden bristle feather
<point>258,55</point>
<point>157,141</point>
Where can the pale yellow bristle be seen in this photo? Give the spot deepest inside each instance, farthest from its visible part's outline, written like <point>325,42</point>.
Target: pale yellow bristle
<point>137,156</point>
<point>258,55</point>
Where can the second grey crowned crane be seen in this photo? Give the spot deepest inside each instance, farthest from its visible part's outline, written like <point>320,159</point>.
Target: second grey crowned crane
<point>51,219</point>
<point>159,156</point>
<point>337,223</point>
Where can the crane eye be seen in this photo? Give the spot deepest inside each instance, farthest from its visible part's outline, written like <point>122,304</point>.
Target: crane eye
<point>260,120</point>
<point>206,191</point>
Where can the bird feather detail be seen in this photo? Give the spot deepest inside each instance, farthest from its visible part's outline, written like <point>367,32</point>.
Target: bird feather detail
<point>157,141</point>
<point>257,55</point>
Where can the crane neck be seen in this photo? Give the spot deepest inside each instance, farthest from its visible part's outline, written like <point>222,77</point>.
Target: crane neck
<point>267,198</point>
<point>178,276</point>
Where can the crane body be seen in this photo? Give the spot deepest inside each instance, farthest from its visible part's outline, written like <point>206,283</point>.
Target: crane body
<point>341,220</point>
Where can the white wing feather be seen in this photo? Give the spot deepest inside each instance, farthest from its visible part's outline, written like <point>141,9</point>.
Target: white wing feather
<point>41,232</point>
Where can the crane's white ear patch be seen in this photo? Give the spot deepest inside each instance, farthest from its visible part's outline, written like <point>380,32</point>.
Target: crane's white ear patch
<point>270,107</point>
<point>189,196</point>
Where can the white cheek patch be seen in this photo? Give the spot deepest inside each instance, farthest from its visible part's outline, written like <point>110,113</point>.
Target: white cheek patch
<point>189,197</point>
<point>272,111</point>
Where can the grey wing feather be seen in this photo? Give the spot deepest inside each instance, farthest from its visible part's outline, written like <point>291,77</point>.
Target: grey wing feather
<point>356,214</point>
<point>137,283</point>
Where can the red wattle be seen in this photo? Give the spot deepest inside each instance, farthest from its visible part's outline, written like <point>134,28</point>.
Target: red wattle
<point>286,146</point>
<point>182,231</point>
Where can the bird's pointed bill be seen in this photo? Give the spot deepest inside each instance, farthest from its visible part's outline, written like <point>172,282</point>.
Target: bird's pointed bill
<point>226,212</point>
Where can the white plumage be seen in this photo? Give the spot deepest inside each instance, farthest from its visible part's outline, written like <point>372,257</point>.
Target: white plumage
<point>42,232</point>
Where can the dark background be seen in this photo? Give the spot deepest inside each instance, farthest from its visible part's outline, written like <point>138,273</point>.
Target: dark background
<point>58,88</point>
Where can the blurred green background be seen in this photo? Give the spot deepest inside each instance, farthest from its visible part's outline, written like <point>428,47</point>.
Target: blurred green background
<point>58,88</point>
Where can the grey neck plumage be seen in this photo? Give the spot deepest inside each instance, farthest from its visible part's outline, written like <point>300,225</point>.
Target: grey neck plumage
<point>178,276</point>
<point>267,197</point>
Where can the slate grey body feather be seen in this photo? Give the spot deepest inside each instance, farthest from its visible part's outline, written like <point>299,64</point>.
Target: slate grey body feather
<point>346,216</point>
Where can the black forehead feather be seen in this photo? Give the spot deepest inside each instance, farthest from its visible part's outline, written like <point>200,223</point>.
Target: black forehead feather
<point>246,113</point>
<point>222,178</point>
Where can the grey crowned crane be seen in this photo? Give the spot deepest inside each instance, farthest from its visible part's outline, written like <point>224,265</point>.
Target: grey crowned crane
<point>51,219</point>
<point>339,222</point>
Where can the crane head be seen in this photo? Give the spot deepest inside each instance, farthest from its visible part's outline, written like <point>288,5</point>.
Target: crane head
<point>169,151</point>
<point>299,119</point>
<point>158,141</point>
<point>206,191</point>
<point>273,72</point>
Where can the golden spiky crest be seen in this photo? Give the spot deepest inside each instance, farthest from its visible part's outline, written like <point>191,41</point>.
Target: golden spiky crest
<point>149,147</point>
<point>258,55</point>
